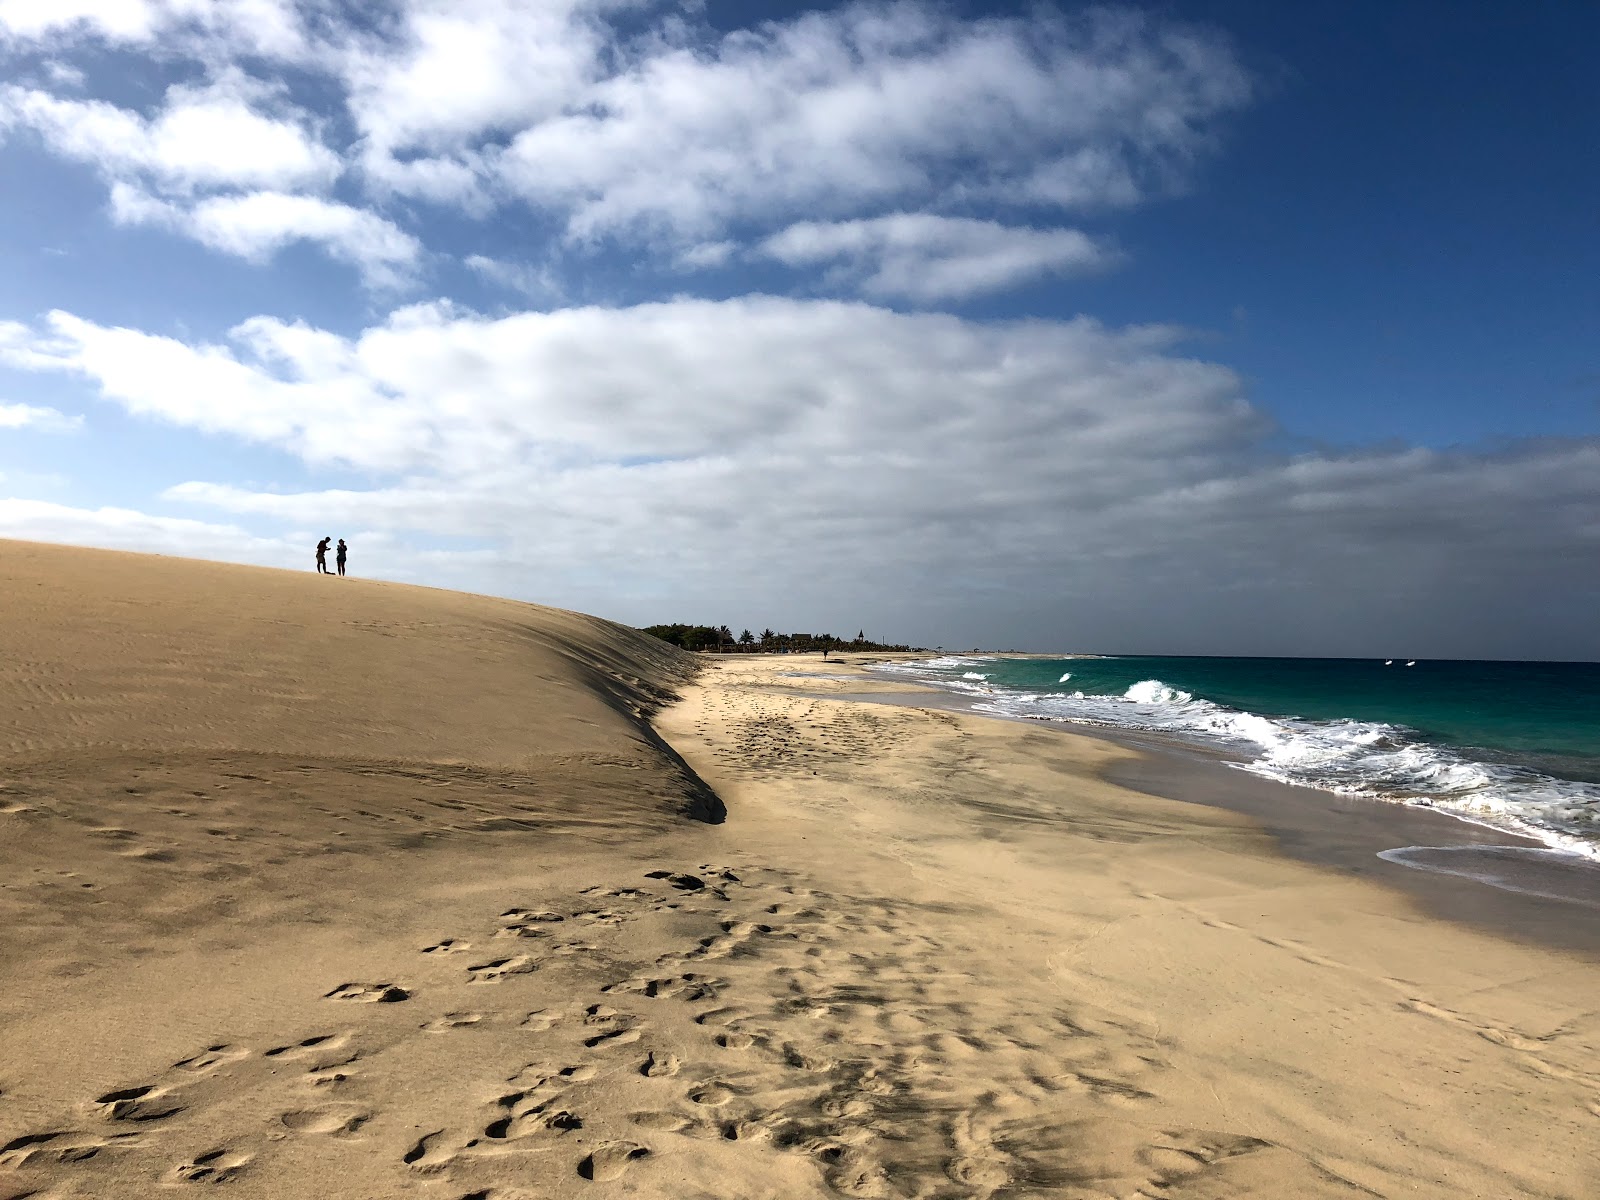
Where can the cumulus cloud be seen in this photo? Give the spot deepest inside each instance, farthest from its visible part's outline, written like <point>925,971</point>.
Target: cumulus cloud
<point>458,393</point>
<point>229,164</point>
<point>256,225</point>
<point>631,121</point>
<point>444,73</point>
<point>832,461</point>
<point>869,106</point>
<point>928,258</point>
<point>258,27</point>
<point>37,417</point>
<point>201,137</point>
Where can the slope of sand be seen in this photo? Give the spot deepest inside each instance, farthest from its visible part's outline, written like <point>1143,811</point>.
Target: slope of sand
<point>332,888</point>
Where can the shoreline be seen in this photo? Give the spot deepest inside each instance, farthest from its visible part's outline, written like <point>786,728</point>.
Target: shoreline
<point>1363,1043</point>
<point>1522,897</point>
<point>276,917</point>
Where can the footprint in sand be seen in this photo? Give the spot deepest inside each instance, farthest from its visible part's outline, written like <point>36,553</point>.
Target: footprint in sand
<point>610,1159</point>
<point>334,1120</point>
<point>530,914</point>
<point>62,1146</point>
<point>326,1077</point>
<point>369,993</point>
<point>500,968</point>
<point>454,1020</point>
<point>745,1131</point>
<point>212,1058</point>
<point>616,1029</point>
<point>613,1037</point>
<point>660,1063</point>
<point>688,987</point>
<point>144,1103</point>
<point>711,1095</point>
<point>214,1166</point>
<point>684,883</point>
<point>321,1042</point>
<point>447,946</point>
<point>669,1122</point>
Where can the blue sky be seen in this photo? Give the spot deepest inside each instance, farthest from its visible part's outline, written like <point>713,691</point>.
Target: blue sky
<point>1225,327</point>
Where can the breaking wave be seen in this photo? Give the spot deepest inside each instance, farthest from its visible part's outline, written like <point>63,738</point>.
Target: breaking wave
<point>1351,757</point>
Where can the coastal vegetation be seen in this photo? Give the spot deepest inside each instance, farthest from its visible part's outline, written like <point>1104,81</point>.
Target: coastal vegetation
<point>720,639</point>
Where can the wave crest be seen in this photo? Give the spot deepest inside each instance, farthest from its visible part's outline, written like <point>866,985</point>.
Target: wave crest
<point>1362,758</point>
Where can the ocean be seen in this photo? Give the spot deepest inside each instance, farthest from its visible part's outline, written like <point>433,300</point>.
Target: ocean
<point>1515,745</point>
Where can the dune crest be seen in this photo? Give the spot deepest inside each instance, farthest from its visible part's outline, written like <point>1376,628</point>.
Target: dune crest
<point>329,888</point>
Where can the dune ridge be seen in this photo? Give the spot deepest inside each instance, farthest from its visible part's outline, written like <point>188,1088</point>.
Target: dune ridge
<point>353,890</point>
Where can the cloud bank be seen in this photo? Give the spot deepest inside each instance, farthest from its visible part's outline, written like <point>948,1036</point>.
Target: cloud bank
<point>868,465</point>
<point>636,124</point>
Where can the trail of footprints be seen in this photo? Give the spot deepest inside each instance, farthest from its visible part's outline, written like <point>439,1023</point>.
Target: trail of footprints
<point>139,1118</point>
<point>866,1059</point>
<point>785,1020</point>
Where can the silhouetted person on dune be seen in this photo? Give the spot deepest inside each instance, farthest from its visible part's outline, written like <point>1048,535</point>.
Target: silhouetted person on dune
<point>322,556</point>
<point>339,555</point>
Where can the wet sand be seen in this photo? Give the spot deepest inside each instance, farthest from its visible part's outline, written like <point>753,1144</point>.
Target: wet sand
<point>1458,870</point>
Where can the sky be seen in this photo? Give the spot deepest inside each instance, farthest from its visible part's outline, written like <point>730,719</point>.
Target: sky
<point>1198,328</point>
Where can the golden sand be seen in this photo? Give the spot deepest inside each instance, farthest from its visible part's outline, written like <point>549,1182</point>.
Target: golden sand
<point>332,888</point>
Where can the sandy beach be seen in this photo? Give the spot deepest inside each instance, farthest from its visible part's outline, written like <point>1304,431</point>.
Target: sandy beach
<point>335,888</point>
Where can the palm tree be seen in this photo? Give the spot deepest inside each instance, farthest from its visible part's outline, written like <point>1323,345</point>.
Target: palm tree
<point>746,638</point>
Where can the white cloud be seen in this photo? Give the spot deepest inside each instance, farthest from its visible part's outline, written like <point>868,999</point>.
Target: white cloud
<point>447,73</point>
<point>31,416</point>
<point>631,120</point>
<point>115,20</point>
<point>928,258</point>
<point>707,255</point>
<point>256,225</point>
<point>200,138</point>
<point>871,106</point>
<point>263,28</point>
<point>838,462</point>
<point>459,393</point>
<point>128,529</point>
<point>227,164</point>
<point>538,282</point>
<point>64,74</point>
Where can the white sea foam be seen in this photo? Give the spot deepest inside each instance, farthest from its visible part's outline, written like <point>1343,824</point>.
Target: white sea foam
<point>1363,758</point>
<point>973,675</point>
<point>1066,675</point>
<point>1153,691</point>
<point>1506,867</point>
<point>921,667</point>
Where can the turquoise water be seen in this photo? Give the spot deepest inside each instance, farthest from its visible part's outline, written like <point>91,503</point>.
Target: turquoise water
<point>1514,744</point>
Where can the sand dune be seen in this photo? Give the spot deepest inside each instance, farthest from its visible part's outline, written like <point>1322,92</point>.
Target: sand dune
<point>237,806</point>
<point>313,887</point>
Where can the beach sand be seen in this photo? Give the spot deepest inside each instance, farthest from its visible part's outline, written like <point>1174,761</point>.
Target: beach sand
<point>333,888</point>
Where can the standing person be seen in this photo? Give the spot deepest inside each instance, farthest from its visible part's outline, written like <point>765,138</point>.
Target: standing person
<point>322,556</point>
<point>340,554</point>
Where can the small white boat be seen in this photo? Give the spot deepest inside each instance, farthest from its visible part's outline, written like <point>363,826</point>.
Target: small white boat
<point>1412,663</point>
<point>1388,662</point>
